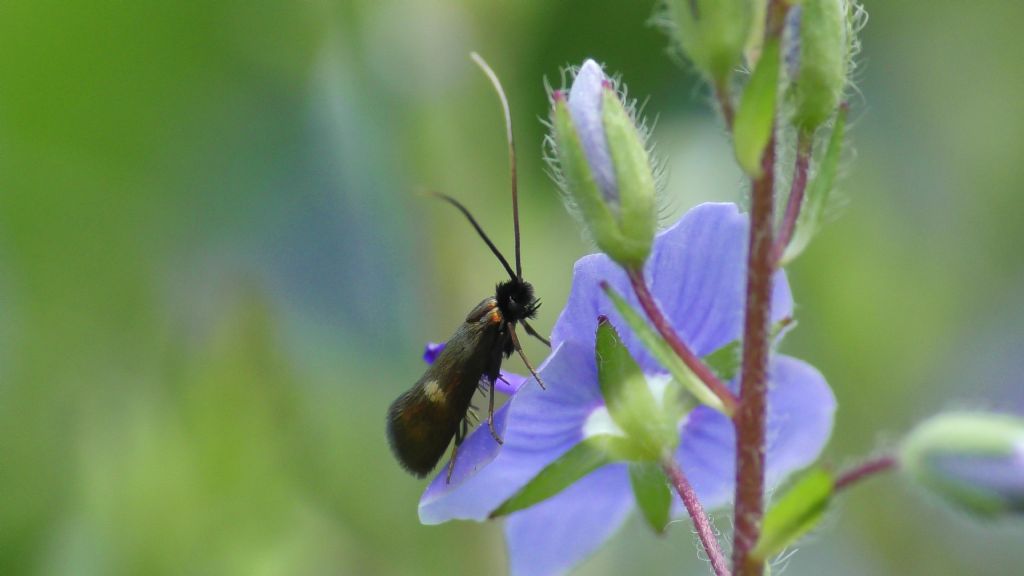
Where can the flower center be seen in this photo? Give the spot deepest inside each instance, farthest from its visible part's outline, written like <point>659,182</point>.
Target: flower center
<point>600,421</point>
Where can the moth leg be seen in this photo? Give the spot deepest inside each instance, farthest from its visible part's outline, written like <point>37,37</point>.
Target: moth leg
<point>529,330</point>
<point>490,415</point>
<point>460,434</point>
<point>515,344</point>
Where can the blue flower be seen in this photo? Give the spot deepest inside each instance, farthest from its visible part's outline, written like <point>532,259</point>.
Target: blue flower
<point>697,273</point>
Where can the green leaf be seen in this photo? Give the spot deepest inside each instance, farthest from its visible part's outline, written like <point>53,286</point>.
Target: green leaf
<point>663,353</point>
<point>580,460</point>
<point>755,117</point>
<point>795,514</point>
<point>812,215</point>
<point>628,397</point>
<point>652,494</point>
<point>726,360</point>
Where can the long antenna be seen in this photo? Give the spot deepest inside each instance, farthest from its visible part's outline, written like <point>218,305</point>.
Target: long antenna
<point>479,230</point>
<point>511,153</point>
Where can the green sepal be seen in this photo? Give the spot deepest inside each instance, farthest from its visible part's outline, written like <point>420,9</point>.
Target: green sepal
<point>663,353</point>
<point>812,214</point>
<point>580,460</point>
<point>796,514</point>
<point>652,494</point>
<point>585,194</point>
<point>824,55</point>
<point>755,117</point>
<point>712,33</point>
<point>628,398</point>
<point>633,175</point>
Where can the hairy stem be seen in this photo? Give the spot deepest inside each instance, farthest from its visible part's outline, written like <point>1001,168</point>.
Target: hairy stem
<point>701,523</point>
<point>796,194</point>
<point>724,96</point>
<point>865,470</point>
<point>662,325</point>
<point>749,419</point>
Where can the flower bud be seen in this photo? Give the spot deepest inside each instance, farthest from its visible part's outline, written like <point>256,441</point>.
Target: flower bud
<point>817,56</point>
<point>603,166</point>
<point>973,460</point>
<point>712,33</point>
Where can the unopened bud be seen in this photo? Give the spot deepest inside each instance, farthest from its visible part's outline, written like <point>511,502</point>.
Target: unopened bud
<point>817,58</point>
<point>712,33</point>
<point>973,460</point>
<point>604,167</point>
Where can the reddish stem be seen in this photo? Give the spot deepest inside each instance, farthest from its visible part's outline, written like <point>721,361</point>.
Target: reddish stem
<point>724,97</point>
<point>865,470</point>
<point>700,519</point>
<point>796,195</point>
<point>750,418</point>
<point>662,325</point>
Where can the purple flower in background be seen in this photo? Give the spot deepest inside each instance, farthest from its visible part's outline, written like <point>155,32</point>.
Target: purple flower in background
<point>697,273</point>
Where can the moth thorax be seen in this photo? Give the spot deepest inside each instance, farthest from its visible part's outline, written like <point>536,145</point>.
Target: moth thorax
<point>516,300</point>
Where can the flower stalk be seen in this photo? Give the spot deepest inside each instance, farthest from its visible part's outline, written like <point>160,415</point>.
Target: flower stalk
<point>865,470</point>
<point>701,523</point>
<point>724,96</point>
<point>804,146</point>
<point>665,329</point>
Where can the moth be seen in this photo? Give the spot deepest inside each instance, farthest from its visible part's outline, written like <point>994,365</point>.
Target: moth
<point>422,422</point>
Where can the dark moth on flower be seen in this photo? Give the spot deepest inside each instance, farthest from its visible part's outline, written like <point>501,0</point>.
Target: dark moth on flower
<point>697,273</point>
<point>423,421</point>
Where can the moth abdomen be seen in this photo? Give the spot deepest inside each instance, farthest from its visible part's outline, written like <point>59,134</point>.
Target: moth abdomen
<point>421,424</point>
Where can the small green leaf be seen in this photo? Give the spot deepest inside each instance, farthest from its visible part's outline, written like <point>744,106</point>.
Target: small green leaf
<point>628,397</point>
<point>663,353</point>
<point>812,215</point>
<point>726,360</point>
<point>652,494</point>
<point>755,117</point>
<point>580,460</point>
<point>795,514</point>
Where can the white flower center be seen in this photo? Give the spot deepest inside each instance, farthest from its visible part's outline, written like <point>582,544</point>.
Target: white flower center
<point>600,421</point>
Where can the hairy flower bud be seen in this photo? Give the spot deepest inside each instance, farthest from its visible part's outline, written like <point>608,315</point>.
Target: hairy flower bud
<point>603,166</point>
<point>817,58</point>
<point>712,33</point>
<point>973,460</point>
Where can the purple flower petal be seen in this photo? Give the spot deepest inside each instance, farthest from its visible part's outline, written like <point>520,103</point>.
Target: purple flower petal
<point>559,533</point>
<point>697,272</point>
<point>510,383</point>
<point>538,427</point>
<point>801,407</point>
<point>585,99</point>
<point>432,350</point>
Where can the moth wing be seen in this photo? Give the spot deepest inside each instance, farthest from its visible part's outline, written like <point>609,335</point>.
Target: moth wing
<point>423,420</point>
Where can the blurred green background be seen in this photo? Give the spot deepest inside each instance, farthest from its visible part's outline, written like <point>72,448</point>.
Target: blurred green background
<point>215,272</point>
